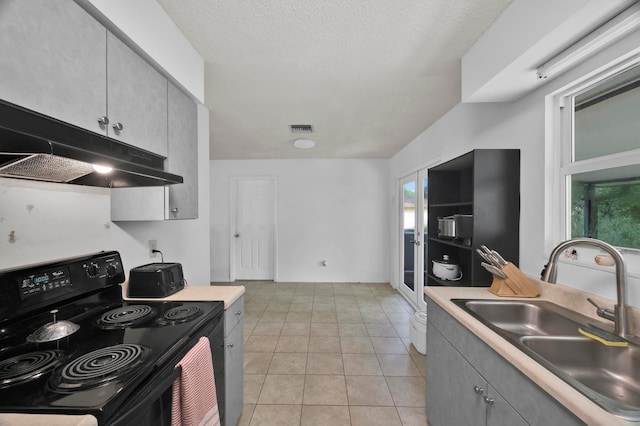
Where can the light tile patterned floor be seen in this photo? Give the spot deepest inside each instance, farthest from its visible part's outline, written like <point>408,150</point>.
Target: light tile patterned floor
<point>330,354</point>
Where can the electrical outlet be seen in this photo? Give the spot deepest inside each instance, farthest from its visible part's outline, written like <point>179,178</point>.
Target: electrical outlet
<point>153,245</point>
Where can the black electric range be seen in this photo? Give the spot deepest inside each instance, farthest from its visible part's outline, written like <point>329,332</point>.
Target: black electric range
<point>104,352</point>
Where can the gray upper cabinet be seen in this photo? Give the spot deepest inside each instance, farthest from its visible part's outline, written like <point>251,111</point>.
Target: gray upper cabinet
<point>137,99</point>
<point>183,155</point>
<point>58,60</point>
<point>178,201</point>
<point>53,60</point>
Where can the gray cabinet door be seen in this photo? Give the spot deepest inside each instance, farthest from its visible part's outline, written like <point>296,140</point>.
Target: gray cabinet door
<point>182,154</point>
<point>499,412</point>
<point>234,374</point>
<point>137,99</point>
<point>53,60</point>
<point>455,390</point>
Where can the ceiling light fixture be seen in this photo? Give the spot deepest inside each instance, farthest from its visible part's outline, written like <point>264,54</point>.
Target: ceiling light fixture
<point>304,143</point>
<point>603,36</point>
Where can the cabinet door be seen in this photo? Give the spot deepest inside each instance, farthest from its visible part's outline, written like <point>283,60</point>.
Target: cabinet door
<point>53,60</point>
<point>137,96</point>
<point>499,412</point>
<point>182,154</point>
<point>234,374</point>
<point>455,390</point>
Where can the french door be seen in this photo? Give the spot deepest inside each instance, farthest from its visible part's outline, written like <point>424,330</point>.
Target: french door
<point>413,233</point>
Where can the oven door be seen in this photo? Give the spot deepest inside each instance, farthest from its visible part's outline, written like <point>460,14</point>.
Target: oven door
<point>151,405</point>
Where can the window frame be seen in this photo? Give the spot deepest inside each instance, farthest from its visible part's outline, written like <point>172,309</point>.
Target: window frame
<point>559,164</point>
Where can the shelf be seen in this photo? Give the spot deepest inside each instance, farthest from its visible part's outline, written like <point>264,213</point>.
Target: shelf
<point>460,204</point>
<point>445,283</point>
<point>486,184</point>
<point>450,243</point>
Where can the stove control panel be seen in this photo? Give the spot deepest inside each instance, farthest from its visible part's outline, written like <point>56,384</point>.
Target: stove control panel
<point>44,281</point>
<point>34,287</point>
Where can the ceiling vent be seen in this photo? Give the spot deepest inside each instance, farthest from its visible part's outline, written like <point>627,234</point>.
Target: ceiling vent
<point>301,128</point>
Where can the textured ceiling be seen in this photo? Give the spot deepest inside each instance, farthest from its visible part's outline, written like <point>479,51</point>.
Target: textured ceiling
<point>369,75</point>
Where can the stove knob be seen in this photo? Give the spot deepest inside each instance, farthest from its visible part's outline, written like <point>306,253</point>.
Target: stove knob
<point>112,270</point>
<point>92,270</point>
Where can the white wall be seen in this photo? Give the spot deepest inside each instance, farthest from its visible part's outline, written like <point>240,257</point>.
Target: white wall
<point>44,221</point>
<point>519,124</point>
<point>333,210</point>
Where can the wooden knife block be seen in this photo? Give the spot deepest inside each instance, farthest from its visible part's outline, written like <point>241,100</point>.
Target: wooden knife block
<point>515,285</point>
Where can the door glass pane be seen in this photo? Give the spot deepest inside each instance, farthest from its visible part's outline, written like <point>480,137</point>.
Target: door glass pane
<point>409,229</point>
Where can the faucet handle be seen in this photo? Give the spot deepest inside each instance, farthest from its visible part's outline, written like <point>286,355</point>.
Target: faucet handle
<point>603,312</point>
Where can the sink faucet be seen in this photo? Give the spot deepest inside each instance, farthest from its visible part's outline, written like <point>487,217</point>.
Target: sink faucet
<point>620,313</point>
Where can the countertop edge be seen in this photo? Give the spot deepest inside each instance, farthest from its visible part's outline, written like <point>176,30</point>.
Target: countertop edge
<point>566,395</point>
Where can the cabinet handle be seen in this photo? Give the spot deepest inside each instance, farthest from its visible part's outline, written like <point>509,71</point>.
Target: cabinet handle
<point>478,390</point>
<point>230,345</point>
<point>488,401</point>
<point>239,313</point>
<point>174,210</point>
<point>118,127</point>
<point>103,121</point>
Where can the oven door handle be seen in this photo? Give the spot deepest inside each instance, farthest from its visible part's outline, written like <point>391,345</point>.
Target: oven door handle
<point>155,392</point>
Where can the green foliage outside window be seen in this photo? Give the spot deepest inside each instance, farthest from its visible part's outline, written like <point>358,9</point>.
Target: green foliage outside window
<point>609,211</point>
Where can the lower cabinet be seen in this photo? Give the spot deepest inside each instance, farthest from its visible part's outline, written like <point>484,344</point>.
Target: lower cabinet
<point>468,383</point>
<point>234,361</point>
<point>457,394</point>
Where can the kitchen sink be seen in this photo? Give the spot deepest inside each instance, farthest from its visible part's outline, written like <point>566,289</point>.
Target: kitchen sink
<point>608,374</point>
<point>548,333</point>
<point>524,318</point>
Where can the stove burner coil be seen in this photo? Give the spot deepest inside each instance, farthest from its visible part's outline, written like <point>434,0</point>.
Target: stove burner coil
<point>29,366</point>
<point>125,316</point>
<point>100,367</point>
<point>179,315</point>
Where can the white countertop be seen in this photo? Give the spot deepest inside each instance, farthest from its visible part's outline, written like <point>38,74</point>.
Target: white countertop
<point>227,294</point>
<point>11,419</point>
<point>568,297</point>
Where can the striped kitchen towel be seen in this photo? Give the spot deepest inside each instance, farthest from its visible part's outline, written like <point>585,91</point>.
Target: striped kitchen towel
<point>194,393</point>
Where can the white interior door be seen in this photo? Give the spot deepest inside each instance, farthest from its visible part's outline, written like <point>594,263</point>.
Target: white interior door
<point>413,234</point>
<point>253,228</point>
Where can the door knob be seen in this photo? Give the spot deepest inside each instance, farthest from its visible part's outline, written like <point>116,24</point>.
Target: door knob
<point>118,127</point>
<point>103,121</point>
<point>478,390</point>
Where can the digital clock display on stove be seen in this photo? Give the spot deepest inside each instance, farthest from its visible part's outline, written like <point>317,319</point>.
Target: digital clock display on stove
<point>31,285</point>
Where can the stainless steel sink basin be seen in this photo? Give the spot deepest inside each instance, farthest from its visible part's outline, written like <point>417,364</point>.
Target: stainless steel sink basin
<point>607,374</point>
<point>548,333</point>
<point>523,318</point>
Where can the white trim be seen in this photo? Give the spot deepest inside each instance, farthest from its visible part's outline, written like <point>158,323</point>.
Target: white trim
<point>559,110</point>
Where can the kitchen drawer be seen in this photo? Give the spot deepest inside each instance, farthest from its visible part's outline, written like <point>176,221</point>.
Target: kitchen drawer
<point>233,315</point>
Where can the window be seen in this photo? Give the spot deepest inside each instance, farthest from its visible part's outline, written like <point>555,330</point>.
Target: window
<point>600,159</point>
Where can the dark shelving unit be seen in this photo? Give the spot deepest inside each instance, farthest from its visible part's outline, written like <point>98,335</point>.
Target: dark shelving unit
<point>486,184</point>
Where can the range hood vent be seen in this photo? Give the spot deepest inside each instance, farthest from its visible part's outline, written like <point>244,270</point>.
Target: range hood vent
<point>37,147</point>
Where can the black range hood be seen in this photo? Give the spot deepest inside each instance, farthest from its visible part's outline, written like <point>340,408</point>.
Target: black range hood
<point>37,147</point>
